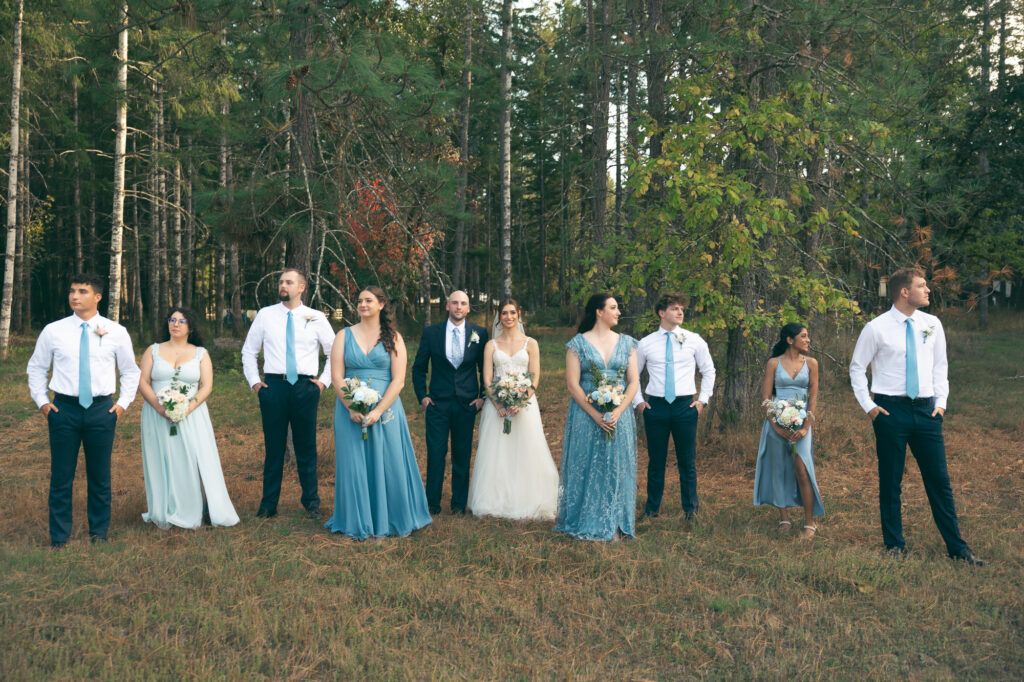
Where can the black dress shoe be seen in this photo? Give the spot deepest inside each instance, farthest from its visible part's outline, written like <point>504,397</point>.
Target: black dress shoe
<point>96,539</point>
<point>691,515</point>
<point>459,511</point>
<point>315,514</point>
<point>970,559</point>
<point>649,515</point>
<point>266,514</point>
<point>58,545</point>
<point>896,552</point>
<point>434,511</point>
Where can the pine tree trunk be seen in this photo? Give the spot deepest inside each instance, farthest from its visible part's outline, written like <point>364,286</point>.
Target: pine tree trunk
<point>77,180</point>
<point>303,134</point>
<point>188,258</point>
<point>600,84</point>
<point>467,85</point>
<point>505,134</point>
<point>120,136</point>
<point>12,188</point>
<point>23,268</point>
<point>137,308</point>
<point>176,271</point>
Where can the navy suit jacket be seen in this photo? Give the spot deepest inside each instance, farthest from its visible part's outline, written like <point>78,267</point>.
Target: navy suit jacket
<point>446,382</point>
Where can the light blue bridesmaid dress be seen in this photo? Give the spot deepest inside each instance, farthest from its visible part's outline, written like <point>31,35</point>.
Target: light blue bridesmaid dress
<point>775,476</point>
<point>598,475</point>
<point>177,469</point>
<point>377,486</point>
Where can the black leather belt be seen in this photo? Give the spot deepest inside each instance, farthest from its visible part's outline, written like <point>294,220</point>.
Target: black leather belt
<point>74,398</point>
<point>905,399</point>
<point>284,378</point>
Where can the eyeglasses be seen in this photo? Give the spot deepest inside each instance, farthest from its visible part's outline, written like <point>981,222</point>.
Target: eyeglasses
<point>177,320</point>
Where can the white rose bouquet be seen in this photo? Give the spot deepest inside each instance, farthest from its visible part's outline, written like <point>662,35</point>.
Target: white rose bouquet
<point>789,413</point>
<point>362,397</point>
<point>174,398</point>
<point>607,394</point>
<point>511,389</point>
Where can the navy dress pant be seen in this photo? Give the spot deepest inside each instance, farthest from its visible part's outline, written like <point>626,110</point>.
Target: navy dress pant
<point>680,420</point>
<point>73,427</point>
<point>444,419</point>
<point>282,404</point>
<point>912,424</point>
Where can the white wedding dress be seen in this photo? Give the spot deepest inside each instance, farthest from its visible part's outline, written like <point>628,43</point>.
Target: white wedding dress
<point>514,476</point>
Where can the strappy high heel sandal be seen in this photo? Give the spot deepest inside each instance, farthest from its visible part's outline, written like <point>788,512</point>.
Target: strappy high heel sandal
<point>807,533</point>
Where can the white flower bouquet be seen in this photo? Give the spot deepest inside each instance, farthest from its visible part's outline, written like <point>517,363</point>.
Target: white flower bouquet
<point>362,397</point>
<point>511,389</point>
<point>789,413</point>
<point>607,394</point>
<point>174,398</point>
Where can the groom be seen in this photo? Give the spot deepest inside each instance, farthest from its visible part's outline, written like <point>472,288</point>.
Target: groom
<point>83,349</point>
<point>454,352</point>
<point>906,350</point>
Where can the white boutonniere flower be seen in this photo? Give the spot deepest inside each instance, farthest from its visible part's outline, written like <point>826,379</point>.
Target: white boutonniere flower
<point>474,338</point>
<point>680,336</point>
<point>927,332</point>
<point>100,332</point>
<point>309,318</point>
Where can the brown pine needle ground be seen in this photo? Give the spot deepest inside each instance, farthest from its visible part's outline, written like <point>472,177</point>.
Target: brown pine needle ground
<point>466,598</point>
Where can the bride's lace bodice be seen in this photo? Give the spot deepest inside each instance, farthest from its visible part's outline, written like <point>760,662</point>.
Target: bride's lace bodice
<point>502,360</point>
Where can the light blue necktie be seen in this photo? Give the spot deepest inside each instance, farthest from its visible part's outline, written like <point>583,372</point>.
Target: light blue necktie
<point>670,369</point>
<point>290,373</point>
<point>84,372</point>
<point>912,387</point>
<point>456,348</point>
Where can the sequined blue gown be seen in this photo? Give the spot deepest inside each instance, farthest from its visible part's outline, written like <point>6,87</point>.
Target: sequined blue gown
<point>377,486</point>
<point>598,476</point>
<point>775,476</point>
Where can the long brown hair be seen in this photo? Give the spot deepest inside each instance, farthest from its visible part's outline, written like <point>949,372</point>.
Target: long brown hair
<point>387,332</point>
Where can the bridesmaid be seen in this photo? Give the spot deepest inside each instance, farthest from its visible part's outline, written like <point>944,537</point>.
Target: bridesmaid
<point>178,468</point>
<point>377,486</point>
<point>782,480</point>
<point>599,475</point>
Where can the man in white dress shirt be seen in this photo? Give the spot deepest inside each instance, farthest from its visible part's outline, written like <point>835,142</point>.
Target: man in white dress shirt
<point>672,355</point>
<point>291,336</point>
<point>85,351</point>
<point>906,350</point>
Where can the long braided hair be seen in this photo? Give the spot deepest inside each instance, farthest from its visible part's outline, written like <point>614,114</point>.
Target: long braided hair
<point>387,332</point>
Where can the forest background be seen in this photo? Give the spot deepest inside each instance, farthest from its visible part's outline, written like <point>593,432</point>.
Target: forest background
<point>771,160</point>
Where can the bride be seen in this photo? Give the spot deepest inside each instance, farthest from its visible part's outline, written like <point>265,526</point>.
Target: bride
<point>514,476</point>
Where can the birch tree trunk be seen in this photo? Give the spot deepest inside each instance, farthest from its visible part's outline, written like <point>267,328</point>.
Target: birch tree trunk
<point>120,137</point>
<point>505,134</point>
<point>12,189</point>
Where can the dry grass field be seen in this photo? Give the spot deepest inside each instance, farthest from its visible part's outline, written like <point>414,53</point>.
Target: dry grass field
<point>466,598</point>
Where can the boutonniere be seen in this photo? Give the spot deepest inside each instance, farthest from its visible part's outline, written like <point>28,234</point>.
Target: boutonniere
<point>100,332</point>
<point>680,336</point>
<point>927,332</point>
<point>309,318</point>
<point>474,337</point>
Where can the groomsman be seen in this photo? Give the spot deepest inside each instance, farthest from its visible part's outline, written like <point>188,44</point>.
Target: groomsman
<point>454,352</point>
<point>906,349</point>
<point>291,336</point>
<point>85,350</point>
<point>672,355</point>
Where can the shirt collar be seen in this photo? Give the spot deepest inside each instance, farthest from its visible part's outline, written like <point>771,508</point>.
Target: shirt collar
<point>901,318</point>
<point>93,321</point>
<point>451,325</point>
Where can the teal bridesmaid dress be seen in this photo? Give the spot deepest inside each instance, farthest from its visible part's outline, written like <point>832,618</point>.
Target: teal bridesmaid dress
<point>377,486</point>
<point>775,476</point>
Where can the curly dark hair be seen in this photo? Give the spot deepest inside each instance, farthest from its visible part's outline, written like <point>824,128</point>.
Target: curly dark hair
<point>387,332</point>
<point>195,335</point>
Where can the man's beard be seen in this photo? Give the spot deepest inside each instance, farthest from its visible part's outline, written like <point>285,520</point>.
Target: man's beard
<point>285,296</point>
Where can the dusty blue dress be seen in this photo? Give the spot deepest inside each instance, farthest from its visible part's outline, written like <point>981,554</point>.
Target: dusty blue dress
<point>775,477</point>
<point>598,476</point>
<point>377,486</point>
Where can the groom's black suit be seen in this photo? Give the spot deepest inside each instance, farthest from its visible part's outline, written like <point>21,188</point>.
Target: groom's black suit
<point>452,391</point>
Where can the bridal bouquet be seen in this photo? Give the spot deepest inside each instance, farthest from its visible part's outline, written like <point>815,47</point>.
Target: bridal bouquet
<point>362,396</point>
<point>607,394</point>
<point>790,414</point>
<point>174,398</point>
<point>511,389</point>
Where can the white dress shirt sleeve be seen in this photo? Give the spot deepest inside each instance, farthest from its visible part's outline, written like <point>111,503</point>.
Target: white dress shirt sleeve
<point>863,353</point>
<point>38,367</point>
<point>940,367</point>
<point>707,371</point>
<point>251,349</point>
<point>129,371</point>
<point>325,335</point>
<point>641,362</point>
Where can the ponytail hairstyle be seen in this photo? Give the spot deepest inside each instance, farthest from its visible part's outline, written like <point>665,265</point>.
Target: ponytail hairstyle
<point>594,303</point>
<point>387,332</point>
<point>789,331</point>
